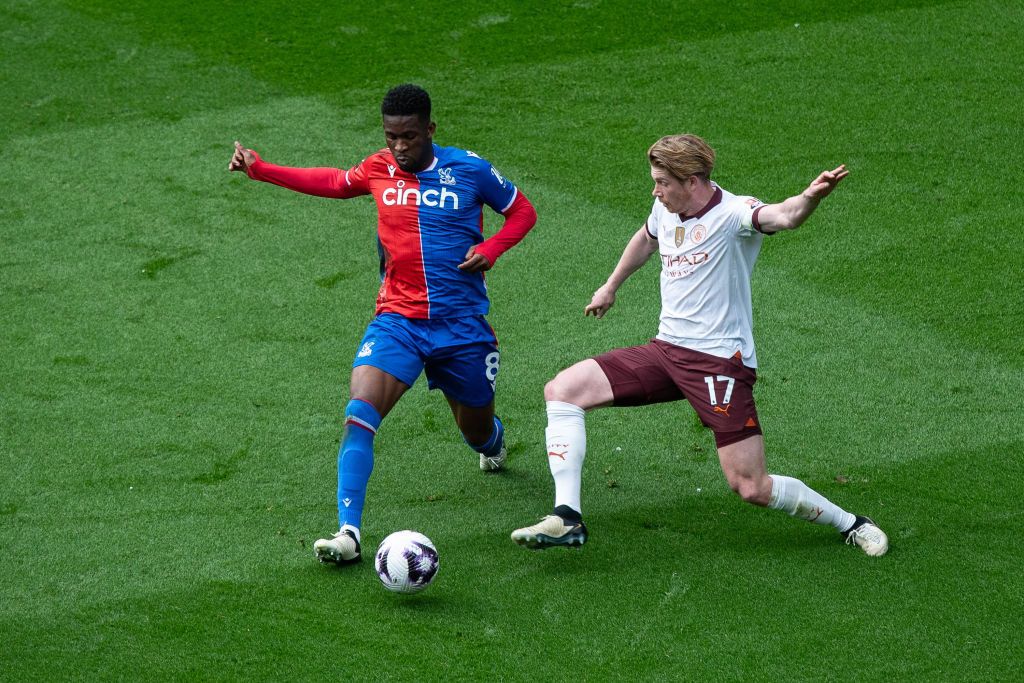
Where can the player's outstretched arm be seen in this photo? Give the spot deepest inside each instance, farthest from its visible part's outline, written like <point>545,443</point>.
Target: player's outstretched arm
<point>794,211</point>
<point>635,255</point>
<point>320,182</point>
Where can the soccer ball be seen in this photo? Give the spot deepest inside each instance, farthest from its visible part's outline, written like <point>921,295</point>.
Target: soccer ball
<point>406,562</point>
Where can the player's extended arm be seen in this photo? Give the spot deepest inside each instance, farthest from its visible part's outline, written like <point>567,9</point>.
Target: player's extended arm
<point>637,252</point>
<point>791,213</point>
<point>520,217</point>
<point>322,182</point>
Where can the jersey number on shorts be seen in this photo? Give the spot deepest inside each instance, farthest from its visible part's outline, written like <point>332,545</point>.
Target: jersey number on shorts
<point>710,381</point>
<point>492,362</point>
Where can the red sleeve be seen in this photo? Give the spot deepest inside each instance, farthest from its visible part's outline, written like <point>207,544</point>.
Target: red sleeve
<point>520,217</point>
<point>321,182</point>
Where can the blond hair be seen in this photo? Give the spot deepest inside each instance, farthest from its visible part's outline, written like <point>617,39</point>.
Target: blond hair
<point>683,156</point>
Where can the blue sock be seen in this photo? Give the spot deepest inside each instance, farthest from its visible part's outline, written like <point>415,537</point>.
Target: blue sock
<point>493,445</point>
<point>355,460</point>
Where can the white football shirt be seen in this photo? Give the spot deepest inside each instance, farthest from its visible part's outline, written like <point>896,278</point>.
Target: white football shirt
<point>706,264</point>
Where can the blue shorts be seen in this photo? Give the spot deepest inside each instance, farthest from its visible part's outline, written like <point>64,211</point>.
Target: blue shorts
<point>459,355</point>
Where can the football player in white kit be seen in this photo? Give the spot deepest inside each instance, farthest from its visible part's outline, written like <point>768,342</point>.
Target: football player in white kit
<point>708,240</point>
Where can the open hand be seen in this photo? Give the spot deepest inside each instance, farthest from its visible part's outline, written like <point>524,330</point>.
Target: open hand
<point>821,186</point>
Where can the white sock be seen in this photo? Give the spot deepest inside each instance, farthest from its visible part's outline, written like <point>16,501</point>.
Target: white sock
<point>799,500</point>
<point>567,446</point>
<point>353,529</point>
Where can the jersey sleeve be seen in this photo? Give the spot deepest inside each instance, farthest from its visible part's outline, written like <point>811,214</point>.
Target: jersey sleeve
<point>497,191</point>
<point>357,181</point>
<point>520,218</point>
<point>333,183</point>
<point>746,210</point>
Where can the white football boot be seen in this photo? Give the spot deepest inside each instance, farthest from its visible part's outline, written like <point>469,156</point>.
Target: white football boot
<point>551,531</point>
<point>868,536</point>
<point>495,462</point>
<point>341,548</point>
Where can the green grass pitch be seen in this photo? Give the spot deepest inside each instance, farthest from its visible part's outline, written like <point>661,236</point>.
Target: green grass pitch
<point>175,343</point>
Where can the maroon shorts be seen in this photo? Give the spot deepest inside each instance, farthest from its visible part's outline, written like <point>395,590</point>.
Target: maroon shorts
<point>721,390</point>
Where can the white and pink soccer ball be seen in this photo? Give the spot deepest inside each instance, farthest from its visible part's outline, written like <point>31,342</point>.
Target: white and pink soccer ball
<point>406,562</point>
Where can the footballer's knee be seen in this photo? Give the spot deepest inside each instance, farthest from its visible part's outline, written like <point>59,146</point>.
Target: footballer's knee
<point>585,385</point>
<point>752,490</point>
<point>557,389</point>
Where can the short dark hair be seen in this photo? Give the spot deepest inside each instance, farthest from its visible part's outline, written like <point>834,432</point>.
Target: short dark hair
<point>407,100</point>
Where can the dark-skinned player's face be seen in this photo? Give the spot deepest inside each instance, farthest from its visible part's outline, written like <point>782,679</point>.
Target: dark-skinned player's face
<point>410,140</point>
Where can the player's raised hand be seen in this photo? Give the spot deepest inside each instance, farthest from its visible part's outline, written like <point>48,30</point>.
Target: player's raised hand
<point>242,159</point>
<point>821,186</point>
<point>474,263</point>
<point>603,299</point>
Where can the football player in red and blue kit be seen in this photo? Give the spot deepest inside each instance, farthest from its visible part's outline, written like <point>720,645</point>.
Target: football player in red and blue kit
<point>432,299</point>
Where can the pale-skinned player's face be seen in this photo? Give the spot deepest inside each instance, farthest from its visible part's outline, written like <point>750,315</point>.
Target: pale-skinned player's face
<point>411,141</point>
<point>677,195</point>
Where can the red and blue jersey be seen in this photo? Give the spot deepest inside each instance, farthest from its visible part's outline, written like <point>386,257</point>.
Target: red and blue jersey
<point>427,222</point>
